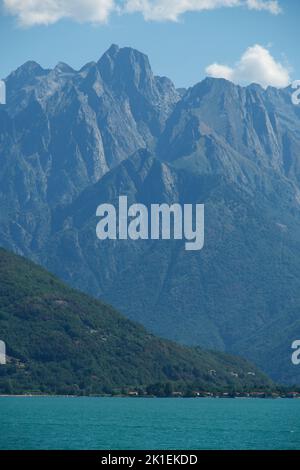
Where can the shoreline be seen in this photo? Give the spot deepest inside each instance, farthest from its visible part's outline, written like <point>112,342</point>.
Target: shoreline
<point>220,397</point>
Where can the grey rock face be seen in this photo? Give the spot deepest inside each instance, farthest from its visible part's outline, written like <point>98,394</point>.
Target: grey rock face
<point>71,140</point>
<point>81,124</point>
<point>62,130</point>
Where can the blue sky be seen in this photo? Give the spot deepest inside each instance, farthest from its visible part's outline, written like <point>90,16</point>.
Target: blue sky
<point>181,50</point>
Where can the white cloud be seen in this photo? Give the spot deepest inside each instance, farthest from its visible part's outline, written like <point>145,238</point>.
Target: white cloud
<point>31,12</point>
<point>171,10</point>
<point>220,71</point>
<point>256,65</point>
<point>162,10</point>
<point>270,5</point>
<point>44,12</point>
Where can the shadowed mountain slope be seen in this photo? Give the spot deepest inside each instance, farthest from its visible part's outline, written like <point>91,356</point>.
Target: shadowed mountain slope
<point>61,341</point>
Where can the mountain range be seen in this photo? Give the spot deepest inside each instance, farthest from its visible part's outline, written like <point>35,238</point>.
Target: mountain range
<point>70,140</point>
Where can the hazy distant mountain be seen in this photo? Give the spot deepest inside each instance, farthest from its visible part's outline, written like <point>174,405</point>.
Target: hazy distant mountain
<point>71,140</point>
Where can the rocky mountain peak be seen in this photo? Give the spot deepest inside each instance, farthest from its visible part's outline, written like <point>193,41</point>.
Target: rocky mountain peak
<point>125,66</point>
<point>64,68</point>
<point>25,75</point>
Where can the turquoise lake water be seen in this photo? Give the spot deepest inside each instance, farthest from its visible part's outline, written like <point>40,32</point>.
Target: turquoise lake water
<point>113,423</point>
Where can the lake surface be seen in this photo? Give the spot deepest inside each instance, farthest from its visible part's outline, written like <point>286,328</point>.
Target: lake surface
<point>126,423</point>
